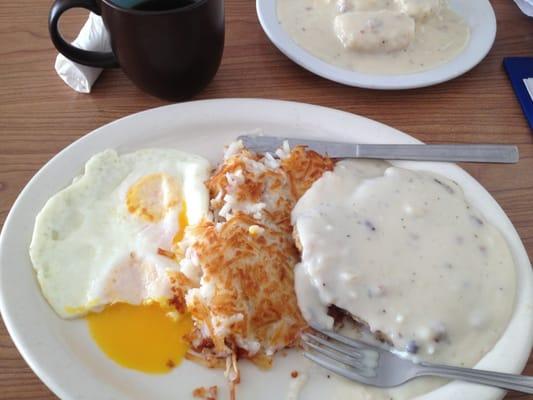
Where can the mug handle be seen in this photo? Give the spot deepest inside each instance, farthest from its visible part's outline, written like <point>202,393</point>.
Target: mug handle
<point>91,58</point>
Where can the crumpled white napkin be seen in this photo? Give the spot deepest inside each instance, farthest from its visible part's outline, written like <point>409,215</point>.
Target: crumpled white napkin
<point>526,6</point>
<point>93,36</point>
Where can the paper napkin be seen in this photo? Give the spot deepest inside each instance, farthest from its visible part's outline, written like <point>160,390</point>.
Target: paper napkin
<point>93,36</point>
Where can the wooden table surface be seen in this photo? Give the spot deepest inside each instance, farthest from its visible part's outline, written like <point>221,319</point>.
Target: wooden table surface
<point>39,115</point>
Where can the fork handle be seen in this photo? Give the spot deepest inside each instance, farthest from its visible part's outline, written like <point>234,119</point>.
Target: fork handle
<point>517,383</point>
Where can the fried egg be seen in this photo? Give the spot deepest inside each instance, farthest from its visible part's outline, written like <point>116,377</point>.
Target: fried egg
<point>102,247</point>
<point>105,238</point>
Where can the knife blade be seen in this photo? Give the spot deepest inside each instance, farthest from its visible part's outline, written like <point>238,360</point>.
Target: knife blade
<point>487,153</point>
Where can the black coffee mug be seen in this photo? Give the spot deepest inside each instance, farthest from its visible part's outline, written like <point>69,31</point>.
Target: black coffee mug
<point>171,53</point>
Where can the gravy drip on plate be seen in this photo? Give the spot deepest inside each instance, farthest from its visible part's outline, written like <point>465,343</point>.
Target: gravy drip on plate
<point>376,36</point>
<point>405,252</point>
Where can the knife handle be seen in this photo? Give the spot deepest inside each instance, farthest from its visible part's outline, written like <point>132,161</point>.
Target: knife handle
<point>491,153</point>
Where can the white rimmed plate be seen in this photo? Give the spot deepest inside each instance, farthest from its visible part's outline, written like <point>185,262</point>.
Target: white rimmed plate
<point>478,14</point>
<point>61,352</point>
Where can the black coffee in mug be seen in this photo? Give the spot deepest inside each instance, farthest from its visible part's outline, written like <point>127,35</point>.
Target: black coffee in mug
<point>169,48</point>
<point>153,5</point>
<point>160,5</point>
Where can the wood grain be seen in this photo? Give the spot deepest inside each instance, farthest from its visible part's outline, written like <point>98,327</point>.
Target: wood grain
<point>39,115</point>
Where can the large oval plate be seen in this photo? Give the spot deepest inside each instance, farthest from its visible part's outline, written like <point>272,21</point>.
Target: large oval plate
<point>62,353</point>
<point>478,14</point>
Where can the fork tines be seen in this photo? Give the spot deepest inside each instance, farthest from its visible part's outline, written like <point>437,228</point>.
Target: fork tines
<point>344,356</point>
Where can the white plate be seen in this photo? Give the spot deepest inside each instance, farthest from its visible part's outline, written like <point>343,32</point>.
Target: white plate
<point>478,14</point>
<point>61,352</point>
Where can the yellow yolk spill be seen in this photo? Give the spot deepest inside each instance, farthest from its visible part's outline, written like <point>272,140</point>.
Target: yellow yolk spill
<point>142,337</point>
<point>182,223</point>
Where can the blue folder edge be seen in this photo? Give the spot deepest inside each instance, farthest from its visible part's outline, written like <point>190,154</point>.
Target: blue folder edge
<point>518,69</point>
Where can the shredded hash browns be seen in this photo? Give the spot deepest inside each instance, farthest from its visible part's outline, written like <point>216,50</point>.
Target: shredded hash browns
<point>236,271</point>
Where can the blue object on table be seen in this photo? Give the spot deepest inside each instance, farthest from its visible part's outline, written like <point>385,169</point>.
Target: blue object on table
<point>519,70</point>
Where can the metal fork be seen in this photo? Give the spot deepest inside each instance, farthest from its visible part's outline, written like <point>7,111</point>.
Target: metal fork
<point>375,366</point>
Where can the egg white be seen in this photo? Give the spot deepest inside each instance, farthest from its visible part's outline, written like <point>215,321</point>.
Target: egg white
<point>88,250</point>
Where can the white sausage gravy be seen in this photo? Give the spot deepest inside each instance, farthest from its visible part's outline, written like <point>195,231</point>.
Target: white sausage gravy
<point>376,36</point>
<point>405,252</point>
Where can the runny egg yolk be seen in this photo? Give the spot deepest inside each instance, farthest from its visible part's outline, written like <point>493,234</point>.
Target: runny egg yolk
<point>141,337</point>
<point>182,223</point>
<point>152,196</point>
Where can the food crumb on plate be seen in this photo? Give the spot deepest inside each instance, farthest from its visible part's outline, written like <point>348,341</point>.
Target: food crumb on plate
<point>210,393</point>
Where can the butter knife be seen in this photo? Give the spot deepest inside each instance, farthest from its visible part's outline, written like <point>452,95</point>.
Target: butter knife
<point>487,153</point>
